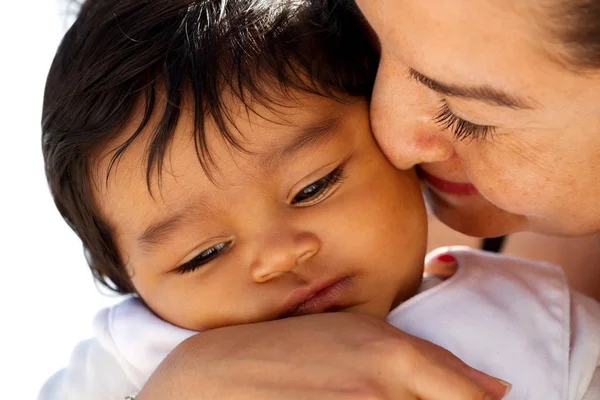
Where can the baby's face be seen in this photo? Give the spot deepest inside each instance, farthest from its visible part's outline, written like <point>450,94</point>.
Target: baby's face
<point>311,218</point>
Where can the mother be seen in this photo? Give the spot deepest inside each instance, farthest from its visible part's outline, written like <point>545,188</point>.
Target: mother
<point>498,102</point>
<point>501,98</point>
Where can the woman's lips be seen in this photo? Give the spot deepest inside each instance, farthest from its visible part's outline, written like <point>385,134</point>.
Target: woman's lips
<point>454,188</point>
<point>317,298</point>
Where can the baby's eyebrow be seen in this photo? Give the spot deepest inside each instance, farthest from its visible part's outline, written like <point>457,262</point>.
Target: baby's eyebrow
<point>305,138</point>
<point>160,230</point>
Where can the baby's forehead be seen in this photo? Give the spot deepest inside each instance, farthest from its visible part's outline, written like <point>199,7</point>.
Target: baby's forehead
<point>255,129</point>
<point>265,138</point>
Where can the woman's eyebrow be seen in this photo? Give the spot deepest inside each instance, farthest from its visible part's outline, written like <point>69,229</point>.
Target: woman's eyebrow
<point>303,139</point>
<point>486,94</point>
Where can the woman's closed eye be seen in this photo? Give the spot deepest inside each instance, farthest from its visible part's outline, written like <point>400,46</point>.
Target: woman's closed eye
<point>460,128</point>
<point>203,258</point>
<point>318,190</point>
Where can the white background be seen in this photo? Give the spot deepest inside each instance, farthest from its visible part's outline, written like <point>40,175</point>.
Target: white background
<point>47,295</point>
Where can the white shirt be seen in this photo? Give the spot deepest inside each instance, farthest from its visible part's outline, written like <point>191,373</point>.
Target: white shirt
<point>511,318</point>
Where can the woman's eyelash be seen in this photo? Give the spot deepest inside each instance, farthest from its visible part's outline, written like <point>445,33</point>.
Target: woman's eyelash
<point>316,190</point>
<point>460,128</point>
<point>203,258</point>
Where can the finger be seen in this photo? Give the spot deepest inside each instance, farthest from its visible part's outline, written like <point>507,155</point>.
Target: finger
<point>440,382</point>
<point>437,374</point>
<point>494,386</point>
<point>443,265</point>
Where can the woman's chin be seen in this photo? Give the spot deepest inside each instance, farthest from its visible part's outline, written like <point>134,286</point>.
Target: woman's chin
<point>473,215</point>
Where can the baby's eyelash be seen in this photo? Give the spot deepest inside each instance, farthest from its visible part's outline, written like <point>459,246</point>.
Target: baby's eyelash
<point>460,128</point>
<point>314,192</point>
<point>203,258</point>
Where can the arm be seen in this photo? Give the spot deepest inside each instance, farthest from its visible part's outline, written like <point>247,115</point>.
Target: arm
<point>327,356</point>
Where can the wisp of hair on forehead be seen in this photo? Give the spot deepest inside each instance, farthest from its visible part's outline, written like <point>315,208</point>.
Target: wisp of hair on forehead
<point>121,52</point>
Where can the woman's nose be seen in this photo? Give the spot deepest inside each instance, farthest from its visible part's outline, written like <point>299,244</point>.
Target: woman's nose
<point>281,251</point>
<point>402,118</point>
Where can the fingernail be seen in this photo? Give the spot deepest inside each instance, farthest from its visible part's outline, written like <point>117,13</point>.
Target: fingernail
<point>446,258</point>
<point>507,385</point>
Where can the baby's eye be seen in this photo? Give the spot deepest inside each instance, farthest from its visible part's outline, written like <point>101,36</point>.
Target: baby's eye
<point>203,258</point>
<point>318,190</point>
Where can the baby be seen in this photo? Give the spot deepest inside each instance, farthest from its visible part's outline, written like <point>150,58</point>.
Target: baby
<point>216,160</point>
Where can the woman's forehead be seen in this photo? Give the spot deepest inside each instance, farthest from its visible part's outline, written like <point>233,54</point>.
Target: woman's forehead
<point>468,44</point>
<point>477,34</point>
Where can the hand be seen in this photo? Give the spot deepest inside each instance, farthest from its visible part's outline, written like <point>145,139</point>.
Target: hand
<point>338,356</point>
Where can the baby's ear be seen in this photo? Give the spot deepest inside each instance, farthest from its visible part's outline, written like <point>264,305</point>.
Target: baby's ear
<point>443,266</point>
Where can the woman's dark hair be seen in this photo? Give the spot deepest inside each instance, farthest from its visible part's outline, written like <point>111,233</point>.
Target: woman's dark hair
<point>121,52</point>
<point>576,23</point>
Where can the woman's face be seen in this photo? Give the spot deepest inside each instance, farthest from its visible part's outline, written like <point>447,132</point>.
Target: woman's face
<point>506,136</point>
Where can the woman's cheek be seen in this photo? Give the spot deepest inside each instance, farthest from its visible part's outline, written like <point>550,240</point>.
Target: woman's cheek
<point>506,184</point>
<point>490,171</point>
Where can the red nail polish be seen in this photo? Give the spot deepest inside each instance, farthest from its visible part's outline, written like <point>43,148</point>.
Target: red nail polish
<point>446,258</point>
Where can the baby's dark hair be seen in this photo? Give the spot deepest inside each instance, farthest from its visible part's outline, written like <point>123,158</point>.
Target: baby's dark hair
<point>121,52</point>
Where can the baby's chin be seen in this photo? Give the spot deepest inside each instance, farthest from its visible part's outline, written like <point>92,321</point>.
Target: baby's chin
<point>473,215</point>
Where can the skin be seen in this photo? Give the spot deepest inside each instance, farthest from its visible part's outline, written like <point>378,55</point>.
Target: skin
<point>368,229</point>
<point>537,169</point>
<point>279,248</point>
